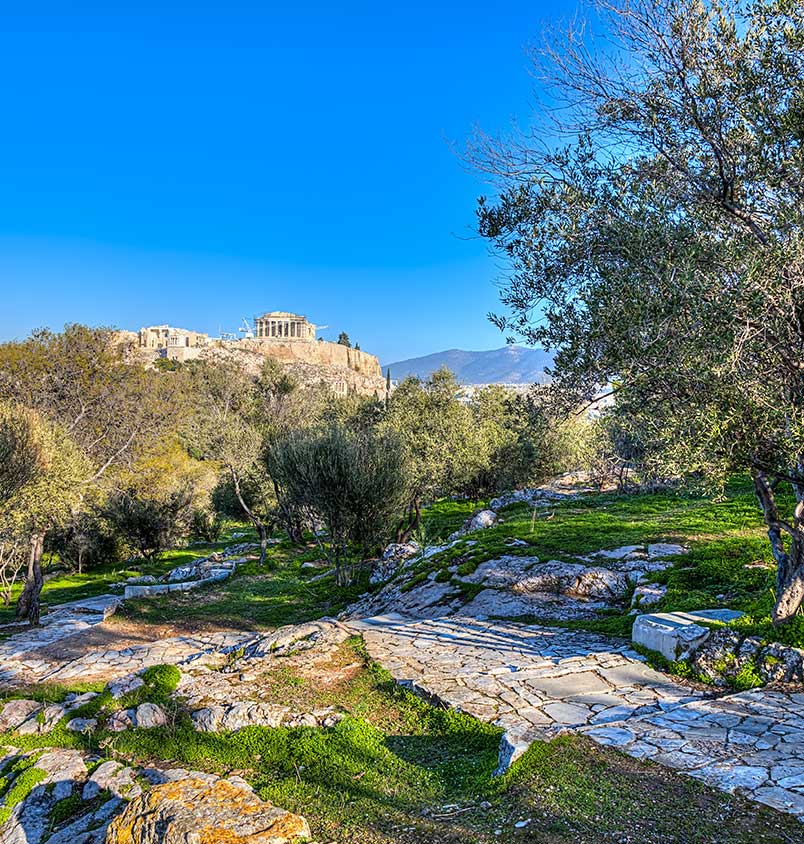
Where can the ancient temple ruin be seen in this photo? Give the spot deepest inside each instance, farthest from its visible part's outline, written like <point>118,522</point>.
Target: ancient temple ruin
<point>168,337</point>
<point>281,325</point>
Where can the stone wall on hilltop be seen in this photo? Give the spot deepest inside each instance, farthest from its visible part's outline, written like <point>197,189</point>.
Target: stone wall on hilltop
<point>319,352</point>
<point>341,369</point>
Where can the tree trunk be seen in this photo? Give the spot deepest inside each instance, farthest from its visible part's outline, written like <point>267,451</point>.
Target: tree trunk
<point>414,516</point>
<point>263,532</point>
<point>28,601</point>
<point>255,520</point>
<point>789,563</point>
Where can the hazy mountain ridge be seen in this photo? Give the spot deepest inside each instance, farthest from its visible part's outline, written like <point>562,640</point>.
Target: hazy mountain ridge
<point>508,365</point>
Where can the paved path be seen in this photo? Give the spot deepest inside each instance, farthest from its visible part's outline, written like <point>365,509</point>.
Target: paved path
<point>22,660</point>
<point>536,682</point>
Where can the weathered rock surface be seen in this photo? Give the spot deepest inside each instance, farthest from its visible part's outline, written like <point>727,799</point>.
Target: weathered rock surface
<point>647,595</point>
<point>480,521</point>
<point>230,812</point>
<point>191,810</point>
<point>574,581</point>
<point>393,557</point>
<point>561,590</point>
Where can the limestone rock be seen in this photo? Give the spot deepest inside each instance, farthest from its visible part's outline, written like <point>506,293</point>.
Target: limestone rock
<point>574,580</point>
<point>677,635</point>
<point>150,715</point>
<point>82,725</point>
<point>781,664</point>
<point>209,719</point>
<point>400,551</point>
<point>716,659</point>
<point>480,521</point>
<point>622,553</point>
<point>121,720</point>
<point>672,635</point>
<point>647,595</point>
<point>392,557</point>
<point>16,712</point>
<point>174,813</point>
<point>659,550</point>
<point>114,777</point>
<point>502,572</point>
<point>44,720</point>
<point>124,685</point>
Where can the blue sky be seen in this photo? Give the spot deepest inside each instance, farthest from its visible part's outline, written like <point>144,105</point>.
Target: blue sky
<point>196,163</point>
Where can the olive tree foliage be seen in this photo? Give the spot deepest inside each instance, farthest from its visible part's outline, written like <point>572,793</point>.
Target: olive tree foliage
<point>104,408</point>
<point>47,499</point>
<point>351,483</point>
<point>237,415</point>
<point>524,440</point>
<point>149,524</point>
<point>225,428</point>
<point>663,244</point>
<point>441,444</point>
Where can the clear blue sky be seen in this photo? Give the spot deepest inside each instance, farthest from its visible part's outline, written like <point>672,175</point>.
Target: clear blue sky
<point>196,163</point>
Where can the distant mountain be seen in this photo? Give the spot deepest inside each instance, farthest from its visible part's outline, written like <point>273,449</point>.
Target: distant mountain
<point>509,365</point>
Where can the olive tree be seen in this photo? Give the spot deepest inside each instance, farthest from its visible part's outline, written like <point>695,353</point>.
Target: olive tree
<point>352,483</point>
<point>104,408</point>
<point>658,245</point>
<point>442,445</point>
<point>48,498</point>
<point>150,524</point>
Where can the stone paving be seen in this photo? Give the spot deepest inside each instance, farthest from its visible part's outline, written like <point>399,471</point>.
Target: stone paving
<point>536,682</point>
<point>21,660</point>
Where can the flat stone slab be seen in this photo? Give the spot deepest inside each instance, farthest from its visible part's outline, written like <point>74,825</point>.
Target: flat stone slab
<point>676,634</point>
<point>536,682</point>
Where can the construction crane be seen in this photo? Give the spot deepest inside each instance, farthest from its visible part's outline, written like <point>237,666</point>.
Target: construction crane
<point>246,330</point>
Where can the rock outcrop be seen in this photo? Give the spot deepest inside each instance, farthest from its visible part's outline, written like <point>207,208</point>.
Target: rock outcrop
<point>192,810</point>
<point>120,804</point>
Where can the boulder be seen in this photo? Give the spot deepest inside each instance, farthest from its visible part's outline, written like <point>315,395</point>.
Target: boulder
<point>175,812</point>
<point>121,720</point>
<point>717,658</point>
<point>114,777</point>
<point>150,715</point>
<point>400,551</point>
<point>574,580</point>
<point>480,521</point>
<point>781,664</point>
<point>44,720</point>
<point>16,712</point>
<point>647,595</point>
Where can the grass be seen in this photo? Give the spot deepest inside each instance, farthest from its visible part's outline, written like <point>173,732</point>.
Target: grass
<point>397,770</point>
<point>729,564</point>
<point>63,586</point>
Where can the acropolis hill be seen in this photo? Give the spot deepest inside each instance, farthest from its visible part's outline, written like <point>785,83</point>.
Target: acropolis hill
<point>285,337</point>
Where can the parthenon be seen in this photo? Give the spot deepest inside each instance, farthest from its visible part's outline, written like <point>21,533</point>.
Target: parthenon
<point>281,325</point>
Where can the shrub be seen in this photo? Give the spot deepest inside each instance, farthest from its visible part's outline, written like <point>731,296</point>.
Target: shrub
<point>205,525</point>
<point>353,483</point>
<point>149,525</point>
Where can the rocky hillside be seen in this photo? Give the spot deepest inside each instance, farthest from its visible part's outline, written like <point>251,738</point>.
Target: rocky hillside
<point>509,365</point>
